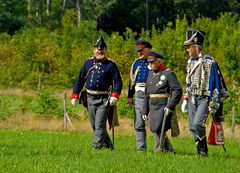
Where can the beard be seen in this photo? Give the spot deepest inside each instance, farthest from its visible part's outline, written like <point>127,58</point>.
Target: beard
<point>100,57</point>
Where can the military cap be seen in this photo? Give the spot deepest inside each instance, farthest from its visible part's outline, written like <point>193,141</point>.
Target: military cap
<point>154,56</point>
<point>194,36</point>
<point>100,43</point>
<point>142,44</point>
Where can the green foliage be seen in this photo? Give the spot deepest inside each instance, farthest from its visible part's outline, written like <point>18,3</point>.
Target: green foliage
<point>231,103</point>
<point>4,37</point>
<point>123,109</point>
<point>9,12</point>
<point>10,105</point>
<point>47,105</point>
<point>39,57</point>
<point>5,106</point>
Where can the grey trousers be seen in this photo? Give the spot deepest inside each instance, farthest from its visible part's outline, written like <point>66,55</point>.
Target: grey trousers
<point>139,123</point>
<point>98,114</point>
<point>197,115</point>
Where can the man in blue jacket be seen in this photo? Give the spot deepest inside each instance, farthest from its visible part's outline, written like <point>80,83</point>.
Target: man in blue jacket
<point>138,77</point>
<point>101,76</point>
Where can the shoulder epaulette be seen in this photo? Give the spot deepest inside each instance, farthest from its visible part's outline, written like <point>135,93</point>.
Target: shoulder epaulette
<point>168,71</point>
<point>208,57</point>
<point>111,60</point>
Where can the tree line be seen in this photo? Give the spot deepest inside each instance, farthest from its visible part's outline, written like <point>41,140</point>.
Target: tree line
<point>110,15</point>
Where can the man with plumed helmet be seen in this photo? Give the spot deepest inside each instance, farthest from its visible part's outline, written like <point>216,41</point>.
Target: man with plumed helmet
<point>138,77</point>
<point>99,74</point>
<point>205,89</point>
<point>163,92</point>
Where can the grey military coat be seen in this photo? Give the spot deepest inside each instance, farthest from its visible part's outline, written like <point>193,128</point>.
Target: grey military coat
<point>162,90</point>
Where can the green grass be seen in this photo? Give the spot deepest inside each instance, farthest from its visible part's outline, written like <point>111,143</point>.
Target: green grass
<point>44,151</point>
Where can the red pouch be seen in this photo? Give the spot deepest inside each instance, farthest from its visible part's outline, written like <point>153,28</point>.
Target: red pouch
<point>216,135</point>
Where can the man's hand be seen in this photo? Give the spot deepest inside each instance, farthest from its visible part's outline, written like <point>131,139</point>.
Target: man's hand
<point>130,102</point>
<point>184,105</point>
<point>213,107</point>
<point>74,99</point>
<point>145,117</point>
<point>74,102</point>
<point>167,111</point>
<point>114,99</point>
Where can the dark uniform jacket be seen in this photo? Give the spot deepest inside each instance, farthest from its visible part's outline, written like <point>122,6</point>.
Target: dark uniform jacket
<point>139,73</point>
<point>100,78</point>
<point>165,83</point>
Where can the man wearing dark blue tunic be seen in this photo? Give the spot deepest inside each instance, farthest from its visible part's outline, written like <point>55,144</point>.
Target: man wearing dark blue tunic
<point>138,75</point>
<point>100,75</point>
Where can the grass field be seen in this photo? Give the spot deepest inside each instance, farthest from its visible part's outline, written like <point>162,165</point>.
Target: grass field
<point>45,151</point>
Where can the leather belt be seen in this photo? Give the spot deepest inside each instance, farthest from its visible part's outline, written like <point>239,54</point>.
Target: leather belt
<point>96,92</point>
<point>140,84</point>
<point>161,96</point>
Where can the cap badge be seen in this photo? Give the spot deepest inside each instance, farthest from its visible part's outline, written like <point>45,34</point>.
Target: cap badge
<point>195,39</point>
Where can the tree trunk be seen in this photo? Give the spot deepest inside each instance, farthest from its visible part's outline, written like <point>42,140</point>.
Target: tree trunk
<point>29,8</point>
<point>64,4</point>
<point>147,14</point>
<point>158,16</point>
<point>39,11</point>
<point>48,7</point>
<point>78,12</point>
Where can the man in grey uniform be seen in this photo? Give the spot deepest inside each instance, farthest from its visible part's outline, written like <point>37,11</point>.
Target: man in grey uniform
<point>101,75</point>
<point>138,77</point>
<point>163,92</point>
<point>205,90</point>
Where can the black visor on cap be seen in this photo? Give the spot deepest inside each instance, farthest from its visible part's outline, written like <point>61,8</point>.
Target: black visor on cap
<point>141,44</point>
<point>152,56</point>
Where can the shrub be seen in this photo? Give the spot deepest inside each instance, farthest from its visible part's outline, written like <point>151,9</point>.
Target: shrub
<point>46,105</point>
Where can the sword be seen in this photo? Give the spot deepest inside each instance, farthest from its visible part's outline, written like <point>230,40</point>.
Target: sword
<point>106,104</point>
<point>109,96</point>
<point>162,138</point>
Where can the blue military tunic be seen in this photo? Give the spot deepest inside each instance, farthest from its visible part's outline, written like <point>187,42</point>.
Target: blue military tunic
<point>139,73</point>
<point>100,78</point>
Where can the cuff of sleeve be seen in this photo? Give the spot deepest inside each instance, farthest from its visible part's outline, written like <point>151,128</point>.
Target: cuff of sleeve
<point>75,96</point>
<point>115,94</point>
<point>170,106</point>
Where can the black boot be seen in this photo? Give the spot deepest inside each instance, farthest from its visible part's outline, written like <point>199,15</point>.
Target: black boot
<point>201,145</point>
<point>205,148</point>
